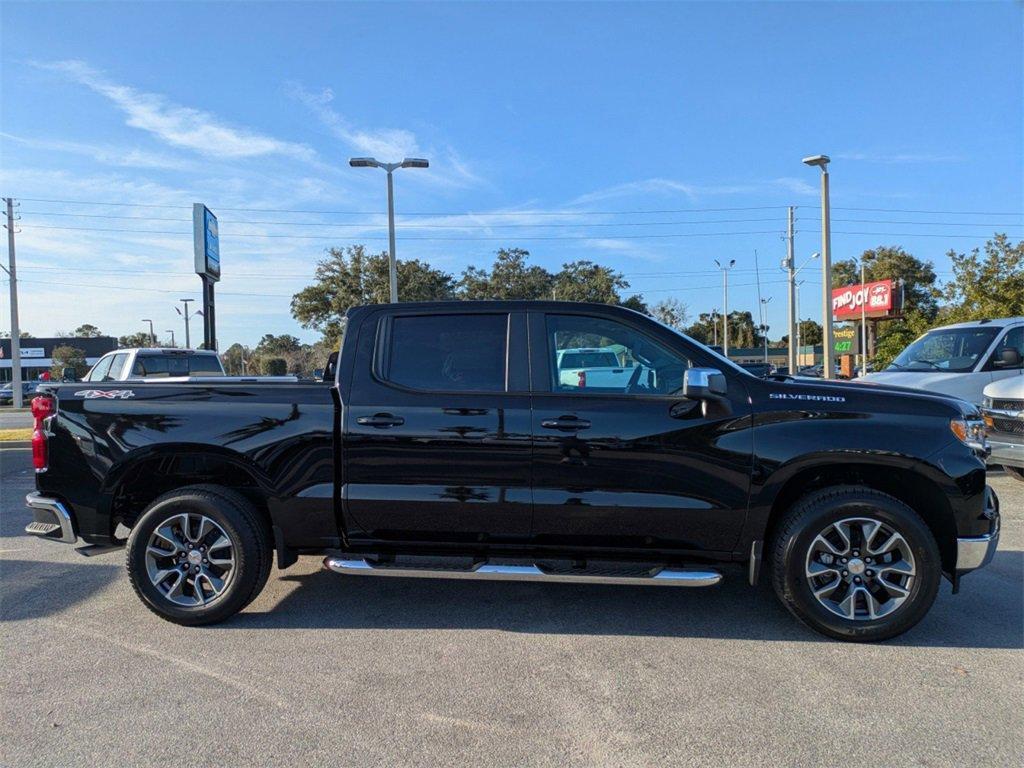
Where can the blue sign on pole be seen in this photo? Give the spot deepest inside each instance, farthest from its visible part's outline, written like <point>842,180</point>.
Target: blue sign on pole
<point>207,242</point>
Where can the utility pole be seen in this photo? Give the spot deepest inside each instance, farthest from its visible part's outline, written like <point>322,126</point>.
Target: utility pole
<point>714,324</point>
<point>171,331</point>
<point>152,336</point>
<point>188,339</point>
<point>725,303</point>
<point>12,272</point>
<point>790,266</point>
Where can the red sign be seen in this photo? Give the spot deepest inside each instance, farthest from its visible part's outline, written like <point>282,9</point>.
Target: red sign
<point>874,298</point>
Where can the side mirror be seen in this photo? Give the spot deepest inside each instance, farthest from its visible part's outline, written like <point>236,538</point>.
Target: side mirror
<point>1008,358</point>
<point>704,384</point>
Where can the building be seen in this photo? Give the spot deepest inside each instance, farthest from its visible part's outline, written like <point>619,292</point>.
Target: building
<point>36,354</point>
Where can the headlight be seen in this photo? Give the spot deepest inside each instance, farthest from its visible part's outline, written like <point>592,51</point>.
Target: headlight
<point>970,432</point>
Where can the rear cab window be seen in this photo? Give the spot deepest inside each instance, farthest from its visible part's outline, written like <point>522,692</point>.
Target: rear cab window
<point>446,353</point>
<point>164,366</point>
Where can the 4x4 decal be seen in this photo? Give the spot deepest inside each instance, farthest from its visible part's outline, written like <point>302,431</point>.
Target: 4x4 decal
<point>105,394</point>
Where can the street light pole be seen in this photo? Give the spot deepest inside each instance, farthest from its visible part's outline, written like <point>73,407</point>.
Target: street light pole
<point>12,273</point>
<point>171,331</point>
<point>152,336</point>
<point>790,266</point>
<point>828,345</point>
<point>764,324</point>
<point>390,168</point>
<point>725,303</point>
<point>188,338</point>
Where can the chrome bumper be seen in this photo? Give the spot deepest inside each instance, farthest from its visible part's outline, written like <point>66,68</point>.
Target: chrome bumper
<point>973,552</point>
<point>1004,452</point>
<point>52,519</point>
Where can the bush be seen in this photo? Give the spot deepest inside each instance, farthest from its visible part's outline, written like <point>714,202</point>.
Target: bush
<point>275,366</point>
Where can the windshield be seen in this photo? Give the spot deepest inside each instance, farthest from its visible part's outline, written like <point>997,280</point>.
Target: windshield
<point>951,350</point>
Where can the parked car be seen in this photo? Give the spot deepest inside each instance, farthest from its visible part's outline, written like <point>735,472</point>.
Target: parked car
<point>817,371</point>
<point>7,392</point>
<point>447,445</point>
<point>1003,411</point>
<point>959,360</point>
<point>594,368</point>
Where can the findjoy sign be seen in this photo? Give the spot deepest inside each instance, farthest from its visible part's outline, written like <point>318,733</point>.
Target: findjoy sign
<point>875,298</point>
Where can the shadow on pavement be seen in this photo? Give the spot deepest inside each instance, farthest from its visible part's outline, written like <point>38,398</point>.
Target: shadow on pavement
<point>988,612</point>
<point>35,588</point>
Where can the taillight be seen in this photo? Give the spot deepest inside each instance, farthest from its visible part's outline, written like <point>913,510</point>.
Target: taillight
<point>42,408</point>
<point>582,376</point>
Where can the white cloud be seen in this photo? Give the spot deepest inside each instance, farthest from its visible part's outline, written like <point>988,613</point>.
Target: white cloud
<point>388,144</point>
<point>105,154</point>
<point>447,168</point>
<point>177,125</point>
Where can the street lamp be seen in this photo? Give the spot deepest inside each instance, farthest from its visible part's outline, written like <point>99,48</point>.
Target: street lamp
<point>188,338</point>
<point>152,336</point>
<point>725,304</point>
<point>822,161</point>
<point>409,162</point>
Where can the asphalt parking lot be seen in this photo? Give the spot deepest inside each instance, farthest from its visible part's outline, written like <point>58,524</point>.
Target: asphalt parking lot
<point>323,669</point>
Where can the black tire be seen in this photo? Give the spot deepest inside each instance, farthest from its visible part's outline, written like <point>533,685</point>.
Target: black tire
<point>241,523</point>
<point>814,513</point>
<point>1017,473</point>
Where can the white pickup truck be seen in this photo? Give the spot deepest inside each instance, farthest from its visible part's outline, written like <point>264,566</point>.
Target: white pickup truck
<point>173,364</point>
<point>593,367</point>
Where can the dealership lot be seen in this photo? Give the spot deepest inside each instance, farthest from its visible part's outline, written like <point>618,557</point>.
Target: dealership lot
<point>326,670</point>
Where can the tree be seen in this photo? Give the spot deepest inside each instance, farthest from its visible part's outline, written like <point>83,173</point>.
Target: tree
<point>707,329</point>
<point>986,284</point>
<point>87,331</point>
<point>66,356</point>
<point>350,277</point>
<point>271,345</point>
<point>671,312</point>
<point>635,303</point>
<point>509,278</point>
<point>916,278</point>
<point>233,357</point>
<point>274,366</point>
<point>21,335</point>
<point>586,281</point>
<point>140,339</point>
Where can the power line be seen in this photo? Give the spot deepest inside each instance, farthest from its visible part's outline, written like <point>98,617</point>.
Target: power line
<point>442,239</point>
<point>562,212</point>
<point>373,225</point>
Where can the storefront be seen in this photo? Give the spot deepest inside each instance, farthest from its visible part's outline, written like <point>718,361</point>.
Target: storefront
<point>36,354</point>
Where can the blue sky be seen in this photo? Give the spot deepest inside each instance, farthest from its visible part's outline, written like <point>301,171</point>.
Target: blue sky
<point>653,138</point>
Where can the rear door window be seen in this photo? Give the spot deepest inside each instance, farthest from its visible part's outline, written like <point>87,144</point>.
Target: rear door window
<point>447,353</point>
<point>116,367</point>
<point>99,370</point>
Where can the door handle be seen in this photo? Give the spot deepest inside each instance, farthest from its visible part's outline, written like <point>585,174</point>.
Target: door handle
<point>566,424</point>
<point>381,420</point>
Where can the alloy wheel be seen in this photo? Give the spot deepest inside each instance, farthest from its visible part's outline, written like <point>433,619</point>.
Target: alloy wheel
<point>860,568</point>
<point>190,559</point>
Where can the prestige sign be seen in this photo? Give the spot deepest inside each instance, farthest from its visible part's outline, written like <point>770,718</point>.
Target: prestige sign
<point>876,299</point>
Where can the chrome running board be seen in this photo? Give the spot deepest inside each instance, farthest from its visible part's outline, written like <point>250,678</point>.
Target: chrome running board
<point>659,575</point>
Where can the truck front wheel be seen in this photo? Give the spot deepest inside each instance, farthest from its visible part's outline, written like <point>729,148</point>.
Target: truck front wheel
<point>855,564</point>
<point>198,555</point>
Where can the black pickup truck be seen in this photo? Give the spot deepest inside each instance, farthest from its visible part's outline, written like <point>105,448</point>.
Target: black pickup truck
<point>445,442</point>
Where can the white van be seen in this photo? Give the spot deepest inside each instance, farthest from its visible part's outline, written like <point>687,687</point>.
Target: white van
<point>959,360</point>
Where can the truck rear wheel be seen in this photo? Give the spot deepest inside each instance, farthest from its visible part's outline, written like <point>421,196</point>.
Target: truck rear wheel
<point>198,555</point>
<point>855,564</point>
